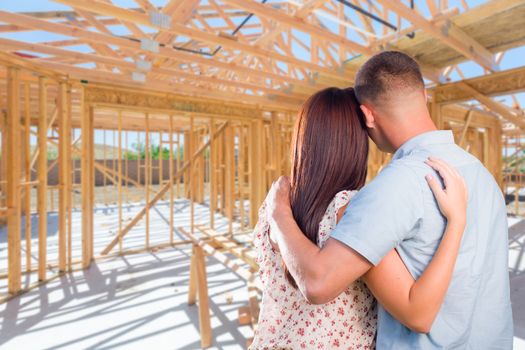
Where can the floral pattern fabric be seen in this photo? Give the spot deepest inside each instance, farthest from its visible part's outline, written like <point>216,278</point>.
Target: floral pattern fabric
<point>288,321</point>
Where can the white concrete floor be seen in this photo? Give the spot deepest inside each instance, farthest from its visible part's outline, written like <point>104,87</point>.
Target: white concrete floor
<point>140,301</point>
<point>517,279</point>
<point>128,302</point>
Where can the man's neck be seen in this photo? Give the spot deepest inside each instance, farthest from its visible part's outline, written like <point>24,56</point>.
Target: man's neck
<point>413,131</point>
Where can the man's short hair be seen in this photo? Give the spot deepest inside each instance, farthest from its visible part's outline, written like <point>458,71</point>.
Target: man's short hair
<point>385,73</point>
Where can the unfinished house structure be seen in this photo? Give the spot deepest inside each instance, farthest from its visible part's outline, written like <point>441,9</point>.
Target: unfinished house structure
<point>137,128</point>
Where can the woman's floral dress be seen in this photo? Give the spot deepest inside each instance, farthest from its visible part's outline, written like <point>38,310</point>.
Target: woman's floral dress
<point>288,321</point>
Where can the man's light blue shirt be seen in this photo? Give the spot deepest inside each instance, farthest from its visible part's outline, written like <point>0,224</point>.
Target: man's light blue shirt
<point>398,210</point>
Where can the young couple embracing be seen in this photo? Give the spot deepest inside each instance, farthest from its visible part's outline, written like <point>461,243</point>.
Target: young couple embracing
<point>415,259</point>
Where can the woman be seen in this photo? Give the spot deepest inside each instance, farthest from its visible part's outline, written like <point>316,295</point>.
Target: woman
<point>329,162</point>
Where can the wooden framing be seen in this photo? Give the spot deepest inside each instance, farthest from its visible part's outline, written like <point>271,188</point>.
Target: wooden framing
<point>217,245</point>
<point>221,101</point>
<point>64,170</point>
<point>13,179</point>
<point>42,179</point>
<point>87,184</point>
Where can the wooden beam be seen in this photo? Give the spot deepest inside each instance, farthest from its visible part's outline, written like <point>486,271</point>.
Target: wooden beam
<point>168,72</point>
<point>13,129</point>
<point>27,174</point>
<point>10,60</point>
<point>210,38</point>
<point>151,101</point>
<point>496,107</point>
<point>299,23</point>
<point>499,83</point>
<point>93,76</point>
<point>63,164</point>
<point>161,192</point>
<point>166,52</point>
<point>202,290</point>
<point>448,33</point>
<point>468,119</point>
<point>87,179</point>
<point>42,179</point>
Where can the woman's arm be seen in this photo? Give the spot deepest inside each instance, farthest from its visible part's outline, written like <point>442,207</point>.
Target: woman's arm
<point>416,303</point>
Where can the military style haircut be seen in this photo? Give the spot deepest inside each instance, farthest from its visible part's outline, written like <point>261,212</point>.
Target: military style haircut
<point>387,73</point>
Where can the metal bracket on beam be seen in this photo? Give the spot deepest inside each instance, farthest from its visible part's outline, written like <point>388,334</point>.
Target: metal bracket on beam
<point>143,65</point>
<point>160,19</point>
<point>149,45</point>
<point>138,77</point>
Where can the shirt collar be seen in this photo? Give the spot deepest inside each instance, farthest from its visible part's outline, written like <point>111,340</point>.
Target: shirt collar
<point>427,138</point>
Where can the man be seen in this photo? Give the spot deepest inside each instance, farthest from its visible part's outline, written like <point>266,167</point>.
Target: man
<point>398,210</point>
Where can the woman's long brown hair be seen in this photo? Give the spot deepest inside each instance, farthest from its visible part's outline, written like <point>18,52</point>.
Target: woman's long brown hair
<point>329,154</point>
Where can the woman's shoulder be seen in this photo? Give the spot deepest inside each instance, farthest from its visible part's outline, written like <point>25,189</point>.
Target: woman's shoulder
<point>342,198</point>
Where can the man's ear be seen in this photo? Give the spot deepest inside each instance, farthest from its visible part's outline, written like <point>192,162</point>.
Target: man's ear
<point>370,120</point>
<point>426,95</point>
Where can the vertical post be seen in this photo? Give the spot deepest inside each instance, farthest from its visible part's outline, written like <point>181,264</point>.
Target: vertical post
<point>192,287</point>
<point>13,181</point>
<point>220,173</point>
<point>229,163</point>
<point>87,179</point>
<point>105,165</point>
<point>498,142</point>
<point>190,177</point>
<point>91,178</point>
<point>119,185</point>
<point>178,164</point>
<point>517,181</point>
<point>202,287</point>
<point>27,166</point>
<point>276,149</point>
<point>147,170</point>
<point>139,158</point>
<point>42,178</point>
<point>62,180</point>
<point>69,179</point>
<point>171,179</point>
<point>241,174</point>
<point>161,159</point>
<point>213,187</point>
<point>3,161</point>
<point>126,165</point>
<point>256,169</point>
<point>436,114</point>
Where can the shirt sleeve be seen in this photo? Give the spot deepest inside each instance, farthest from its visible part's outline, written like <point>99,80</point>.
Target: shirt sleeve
<point>385,212</point>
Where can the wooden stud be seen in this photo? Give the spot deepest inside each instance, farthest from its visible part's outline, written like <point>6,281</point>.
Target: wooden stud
<point>229,166</point>
<point>190,183</point>
<point>192,284</point>
<point>69,180</point>
<point>212,176</point>
<point>147,180</point>
<point>171,207</point>
<point>64,173</point>
<point>161,192</point>
<point>87,185</point>
<point>468,119</point>
<point>42,179</point>
<point>202,289</point>
<point>13,179</point>
<point>27,166</point>
<point>119,185</point>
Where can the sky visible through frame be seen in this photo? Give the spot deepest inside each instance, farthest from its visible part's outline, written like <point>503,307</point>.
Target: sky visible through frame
<point>512,59</point>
